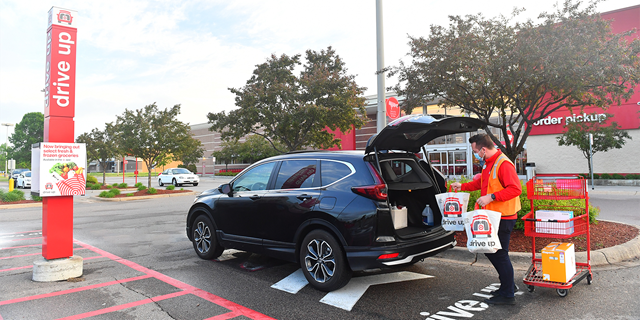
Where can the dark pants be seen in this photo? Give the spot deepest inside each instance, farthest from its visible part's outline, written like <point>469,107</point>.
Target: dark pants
<point>501,261</point>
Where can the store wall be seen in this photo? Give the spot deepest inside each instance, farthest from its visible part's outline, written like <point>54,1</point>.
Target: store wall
<point>550,158</point>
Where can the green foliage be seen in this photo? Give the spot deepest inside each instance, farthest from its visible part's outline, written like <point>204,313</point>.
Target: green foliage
<point>605,176</point>
<point>137,185</point>
<point>171,187</point>
<point>596,176</point>
<point>190,152</point>
<point>521,71</point>
<point>15,195</point>
<point>92,179</point>
<point>30,130</point>
<point>605,137</point>
<point>101,147</point>
<point>632,176</point>
<point>122,185</point>
<point>229,174</point>
<point>254,148</point>
<point>129,195</point>
<point>152,134</point>
<point>142,187</point>
<point>106,194</point>
<point>295,109</point>
<point>152,191</point>
<point>36,198</point>
<point>115,191</point>
<point>96,187</point>
<point>115,185</point>
<point>181,189</point>
<point>617,176</point>
<point>89,185</point>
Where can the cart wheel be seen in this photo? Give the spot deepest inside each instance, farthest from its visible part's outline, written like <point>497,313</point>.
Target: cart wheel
<point>531,288</point>
<point>562,292</point>
<point>589,279</point>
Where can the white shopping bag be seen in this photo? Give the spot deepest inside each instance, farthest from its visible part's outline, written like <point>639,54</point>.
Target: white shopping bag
<point>452,205</point>
<point>482,230</point>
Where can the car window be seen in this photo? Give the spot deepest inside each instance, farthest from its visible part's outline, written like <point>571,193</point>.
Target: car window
<point>255,179</point>
<point>295,174</point>
<point>332,171</point>
<point>400,167</point>
<point>181,171</point>
<point>28,174</point>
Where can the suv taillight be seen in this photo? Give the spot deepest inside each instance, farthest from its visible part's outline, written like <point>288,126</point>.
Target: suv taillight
<point>378,191</point>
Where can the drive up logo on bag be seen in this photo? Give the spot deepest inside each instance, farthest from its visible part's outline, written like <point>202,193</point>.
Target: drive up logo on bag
<point>481,227</point>
<point>452,207</point>
<point>482,230</point>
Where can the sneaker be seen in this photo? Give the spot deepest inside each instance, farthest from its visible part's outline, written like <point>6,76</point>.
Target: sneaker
<point>515,289</point>
<point>500,300</point>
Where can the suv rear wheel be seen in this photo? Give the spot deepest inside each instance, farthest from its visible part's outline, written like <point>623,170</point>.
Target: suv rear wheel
<point>323,261</point>
<point>205,241</point>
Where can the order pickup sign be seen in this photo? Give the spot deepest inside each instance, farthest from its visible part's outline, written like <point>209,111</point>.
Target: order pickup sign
<point>58,169</point>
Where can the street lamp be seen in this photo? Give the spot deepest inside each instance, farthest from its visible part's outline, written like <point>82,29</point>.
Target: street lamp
<point>6,148</point>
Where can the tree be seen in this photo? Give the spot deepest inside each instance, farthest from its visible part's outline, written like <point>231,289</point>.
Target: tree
<point>605,137</point>
<point>256,148</point>
<point>228,153</point>
<point>151,134</point>
<point>295,110</point>
<point>29,131</point>
<point>521,72</point>
<point>190,151</point>
<point>101,146</point>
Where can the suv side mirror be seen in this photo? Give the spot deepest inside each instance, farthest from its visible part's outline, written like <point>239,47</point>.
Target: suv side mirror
<point>226,189</point>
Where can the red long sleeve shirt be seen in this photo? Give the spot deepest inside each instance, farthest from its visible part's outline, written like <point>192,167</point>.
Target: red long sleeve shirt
<point>507,176</point>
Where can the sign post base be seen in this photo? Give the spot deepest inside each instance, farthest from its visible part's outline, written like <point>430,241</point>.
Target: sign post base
<point>57,269</point>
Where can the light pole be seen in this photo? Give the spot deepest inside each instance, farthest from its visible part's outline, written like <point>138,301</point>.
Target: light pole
<point>6,148</point>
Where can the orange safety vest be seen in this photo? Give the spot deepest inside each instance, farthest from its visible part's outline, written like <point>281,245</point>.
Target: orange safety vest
<point>509,207</point>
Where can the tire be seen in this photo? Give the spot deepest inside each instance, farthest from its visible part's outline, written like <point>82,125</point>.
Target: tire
<point>531,288</point>
<point>175,183</point>
<point>205,241</point>
<point>589,279</point>
<point>195,184</point>
<point>323,261</point>
<point>562,292</point>
<point>160,182</point>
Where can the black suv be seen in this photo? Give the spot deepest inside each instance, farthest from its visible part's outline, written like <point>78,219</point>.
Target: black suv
<point>331,212</point>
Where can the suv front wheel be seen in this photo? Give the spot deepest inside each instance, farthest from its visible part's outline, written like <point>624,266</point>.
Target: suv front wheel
<point>205,241</point>
<point>323,261</point>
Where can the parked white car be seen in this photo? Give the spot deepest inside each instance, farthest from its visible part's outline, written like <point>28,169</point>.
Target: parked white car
<point>24,180</point>
<point>178,177</point>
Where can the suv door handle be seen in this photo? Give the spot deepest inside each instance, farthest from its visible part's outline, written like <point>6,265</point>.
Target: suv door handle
<point>254,197</point>
<point>304,197</point>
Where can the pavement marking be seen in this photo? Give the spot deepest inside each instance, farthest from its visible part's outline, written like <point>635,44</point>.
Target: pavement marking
<point>292,283</point>
<point>346,297</point>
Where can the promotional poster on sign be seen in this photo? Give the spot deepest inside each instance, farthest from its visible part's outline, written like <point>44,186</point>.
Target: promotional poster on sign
<point>61,168</point>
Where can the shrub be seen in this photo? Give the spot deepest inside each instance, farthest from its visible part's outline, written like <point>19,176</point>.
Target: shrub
<point>227,173</point>
<point>15,195</point>
<point>141,187</point>
<point>129,195</point>
<point>170,187</point>
<point>123,185</point>
<point>36,198</point>
<point>152,191</point>
<point>96,186</point>
<point>89,185</point>
<point>617,176</point>
<point>92,179</point>
<point>137,185</point>
<point>584,175</point>
<point>181,188</point>
<point>632,176</point>
<point>115,191</point>
<point>605,176</point>
<point>106,194</point>
<point>596,176</point>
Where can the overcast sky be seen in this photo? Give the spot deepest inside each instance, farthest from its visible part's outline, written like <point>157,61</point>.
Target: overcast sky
<point>133,53</point>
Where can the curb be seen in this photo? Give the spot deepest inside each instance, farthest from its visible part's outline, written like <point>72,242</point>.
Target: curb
<point>599,258</point>
<point>20,205</point>
<point>624,193</point>
<point>147,197</point>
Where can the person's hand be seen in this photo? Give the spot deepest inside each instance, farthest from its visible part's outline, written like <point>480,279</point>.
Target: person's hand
<point>484,200</point>
<point>456,186</point>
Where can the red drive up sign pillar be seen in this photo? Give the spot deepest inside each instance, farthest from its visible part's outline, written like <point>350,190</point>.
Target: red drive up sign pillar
<point>59,110</point>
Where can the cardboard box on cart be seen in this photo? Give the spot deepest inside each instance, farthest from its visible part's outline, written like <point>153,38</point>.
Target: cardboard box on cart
<point>558,262</point>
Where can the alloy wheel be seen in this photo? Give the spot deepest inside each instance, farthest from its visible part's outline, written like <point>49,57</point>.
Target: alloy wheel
<point>202,237</point>
<point>319,261</point>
